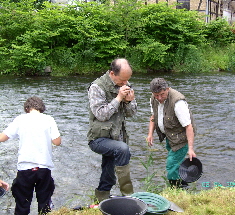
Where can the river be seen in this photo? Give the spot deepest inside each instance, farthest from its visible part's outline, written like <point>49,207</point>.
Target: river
<point>77,169</point>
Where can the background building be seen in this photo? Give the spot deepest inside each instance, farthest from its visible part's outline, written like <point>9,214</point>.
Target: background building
<point>211,8</point>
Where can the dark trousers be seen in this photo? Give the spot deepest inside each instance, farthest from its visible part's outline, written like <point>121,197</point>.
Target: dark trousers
<point>24,185</point>
<point>114,153</point>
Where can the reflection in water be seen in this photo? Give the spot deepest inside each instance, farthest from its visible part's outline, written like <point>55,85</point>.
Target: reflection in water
<point>77,168</point>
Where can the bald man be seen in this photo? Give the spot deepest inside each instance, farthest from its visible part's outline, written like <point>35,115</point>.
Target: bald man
<point>111,100</point>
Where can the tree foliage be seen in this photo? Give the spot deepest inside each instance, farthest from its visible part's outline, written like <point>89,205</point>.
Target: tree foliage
<point>85,37</point>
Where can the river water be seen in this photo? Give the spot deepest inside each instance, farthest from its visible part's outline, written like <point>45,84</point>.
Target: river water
<point>77,169</point>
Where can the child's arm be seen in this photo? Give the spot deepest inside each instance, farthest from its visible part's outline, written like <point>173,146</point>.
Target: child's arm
<point>57,141</point>
<point>3,137</point>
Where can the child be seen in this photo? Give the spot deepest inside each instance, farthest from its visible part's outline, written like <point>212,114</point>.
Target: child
<point>36,131</point>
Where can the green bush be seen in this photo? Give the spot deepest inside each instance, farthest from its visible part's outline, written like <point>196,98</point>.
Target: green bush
<point>219,32</point>
<point>188,58</point>
<point>84,38</point>
<point>170,26</point>
<point>148,55</point>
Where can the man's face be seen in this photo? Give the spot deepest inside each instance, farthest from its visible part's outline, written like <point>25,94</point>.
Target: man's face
<point>121,79</point>
<point>161,96</point>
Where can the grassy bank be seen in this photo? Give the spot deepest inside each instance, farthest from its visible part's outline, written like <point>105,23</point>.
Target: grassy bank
<point>216,201</point>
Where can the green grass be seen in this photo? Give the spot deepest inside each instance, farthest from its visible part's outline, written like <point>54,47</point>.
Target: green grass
<point>216,201</point>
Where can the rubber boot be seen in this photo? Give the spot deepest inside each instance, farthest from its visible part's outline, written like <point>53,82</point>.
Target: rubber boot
<point>178,184</point>
<point>101,195</point>
<point>184,184</point>
<point>174,183</point>
<point>124,179</point>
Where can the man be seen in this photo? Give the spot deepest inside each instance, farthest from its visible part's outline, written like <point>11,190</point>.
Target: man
<point>111,100</point>
<point>172,119</point>
<point>36,132</point>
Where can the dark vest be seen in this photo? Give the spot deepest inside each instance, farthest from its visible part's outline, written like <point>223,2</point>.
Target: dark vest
<point>111,128</point>
<point>175,133</point>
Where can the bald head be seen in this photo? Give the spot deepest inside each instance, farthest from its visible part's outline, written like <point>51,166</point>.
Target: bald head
<point>120,64</point>
<point>120,71</point>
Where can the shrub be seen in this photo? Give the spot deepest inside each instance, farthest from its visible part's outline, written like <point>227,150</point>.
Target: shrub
<point>219,32</point>
<point>84,38</point>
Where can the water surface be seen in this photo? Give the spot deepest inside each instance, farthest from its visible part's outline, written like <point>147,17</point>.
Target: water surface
<point>77,168</point>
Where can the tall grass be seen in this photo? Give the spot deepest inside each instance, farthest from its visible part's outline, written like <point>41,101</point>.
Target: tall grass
<point>192,59</point>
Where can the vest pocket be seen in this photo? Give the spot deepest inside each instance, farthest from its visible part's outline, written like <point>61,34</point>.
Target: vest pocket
<point>171,122</point>
<point>105,131</point>
<point>177,138</point>
<point>101,130</point>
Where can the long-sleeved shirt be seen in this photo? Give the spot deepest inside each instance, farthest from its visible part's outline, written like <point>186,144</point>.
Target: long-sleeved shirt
<point>104,110</point>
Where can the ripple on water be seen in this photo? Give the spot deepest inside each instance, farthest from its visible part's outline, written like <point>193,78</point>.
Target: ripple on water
<point>77,168</point>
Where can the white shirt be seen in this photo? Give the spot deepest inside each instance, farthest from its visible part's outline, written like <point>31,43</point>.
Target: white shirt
<point>35,132</point>
<point>181,112</point>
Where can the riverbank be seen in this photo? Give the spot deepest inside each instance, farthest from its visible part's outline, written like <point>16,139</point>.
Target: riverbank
<point>83,38</point>
<point>216,201</point>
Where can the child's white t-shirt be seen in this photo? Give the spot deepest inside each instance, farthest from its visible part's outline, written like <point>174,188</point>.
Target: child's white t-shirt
<point>35,132</point>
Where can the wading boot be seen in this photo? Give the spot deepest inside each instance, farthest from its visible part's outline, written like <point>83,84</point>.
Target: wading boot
<point>124,179</point>
<point>183,184</point>
<point>101,195</point>
<point>178,184</point>
<point>174,183</point>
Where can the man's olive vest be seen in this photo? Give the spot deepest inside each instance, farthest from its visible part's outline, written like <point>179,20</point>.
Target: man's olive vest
<point>111,128</point>
<point>175,133</point>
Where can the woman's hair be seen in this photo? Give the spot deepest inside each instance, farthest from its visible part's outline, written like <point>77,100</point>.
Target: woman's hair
<point>34,103</point>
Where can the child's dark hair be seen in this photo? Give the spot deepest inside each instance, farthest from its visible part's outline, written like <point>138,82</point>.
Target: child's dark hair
<point>34,103</point>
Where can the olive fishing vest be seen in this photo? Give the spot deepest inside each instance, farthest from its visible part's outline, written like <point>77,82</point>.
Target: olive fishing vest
<point>111,128</point>
<point>175,133</point>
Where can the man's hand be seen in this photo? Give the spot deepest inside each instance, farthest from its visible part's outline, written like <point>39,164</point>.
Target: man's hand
<point>149,140</point>
<point>130,96</point>
<point>4,185</point>
<point>191,154</point>
<point>123,92</point>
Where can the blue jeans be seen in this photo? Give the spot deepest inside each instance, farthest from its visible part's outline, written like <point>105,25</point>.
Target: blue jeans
<point>114,153</point>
